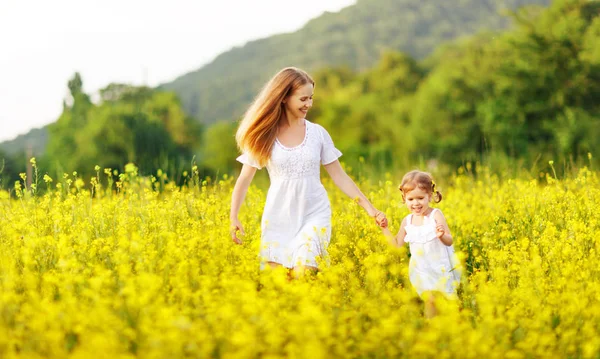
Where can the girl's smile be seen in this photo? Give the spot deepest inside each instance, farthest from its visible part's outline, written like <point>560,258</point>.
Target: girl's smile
<point>417,201</point>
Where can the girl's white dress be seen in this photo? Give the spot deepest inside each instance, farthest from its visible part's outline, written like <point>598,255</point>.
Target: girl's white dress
<point>296,222</point>
<point>433,265</point>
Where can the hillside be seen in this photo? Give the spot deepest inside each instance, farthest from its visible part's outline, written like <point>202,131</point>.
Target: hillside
<point>353,37</point>
<point>36,139</point>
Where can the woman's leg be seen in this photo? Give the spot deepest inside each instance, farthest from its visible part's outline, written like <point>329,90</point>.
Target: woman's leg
<point>302,270</point>
<point>296,272</point>
<point>274,265</point>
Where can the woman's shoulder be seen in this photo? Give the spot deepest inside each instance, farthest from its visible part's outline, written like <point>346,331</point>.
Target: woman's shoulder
<point>315,125</point>
<point>319,129</point>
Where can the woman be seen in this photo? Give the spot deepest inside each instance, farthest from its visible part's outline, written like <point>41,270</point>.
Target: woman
<point>274,133</point>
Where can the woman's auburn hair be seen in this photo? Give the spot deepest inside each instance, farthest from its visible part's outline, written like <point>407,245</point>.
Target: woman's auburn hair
<point>258,128</point>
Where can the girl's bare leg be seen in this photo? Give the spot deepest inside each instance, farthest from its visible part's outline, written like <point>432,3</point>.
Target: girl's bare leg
<point>430,308</point>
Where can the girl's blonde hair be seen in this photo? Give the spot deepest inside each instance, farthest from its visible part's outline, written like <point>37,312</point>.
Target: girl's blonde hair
<point>258,129</point>
<point>422,180</point>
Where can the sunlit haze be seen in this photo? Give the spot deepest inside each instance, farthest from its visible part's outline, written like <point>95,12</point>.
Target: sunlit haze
<point>43,43</point>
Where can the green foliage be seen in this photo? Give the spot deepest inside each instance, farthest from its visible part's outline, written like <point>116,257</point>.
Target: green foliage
<point>10,167</point>
<point>219,149</point>
<point>367,116</point>
<point>529,94</point>
<point>531,91</point>
<point>131,124</point>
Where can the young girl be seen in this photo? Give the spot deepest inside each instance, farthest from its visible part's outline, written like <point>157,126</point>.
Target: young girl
<point>433,267</point>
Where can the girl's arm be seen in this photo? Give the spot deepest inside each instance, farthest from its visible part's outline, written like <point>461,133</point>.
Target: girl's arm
<point>398,240</point>
<point>386,232</point>
<point>347,185</point>
<point>237,198</point>
<point>441,228</point>
<point>401,234</point>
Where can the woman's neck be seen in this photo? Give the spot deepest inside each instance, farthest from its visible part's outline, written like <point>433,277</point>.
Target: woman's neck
<point>288,121</point>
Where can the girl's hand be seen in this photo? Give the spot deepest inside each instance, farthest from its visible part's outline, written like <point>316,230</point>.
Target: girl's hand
<point>439,231</point>
<point>234,228</point>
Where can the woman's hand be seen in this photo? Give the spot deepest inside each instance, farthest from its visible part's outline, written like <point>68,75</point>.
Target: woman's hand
<point>236,226</point>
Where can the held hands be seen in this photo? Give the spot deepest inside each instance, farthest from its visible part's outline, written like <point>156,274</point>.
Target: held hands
<point>234,228</point>
<point>380,219</point>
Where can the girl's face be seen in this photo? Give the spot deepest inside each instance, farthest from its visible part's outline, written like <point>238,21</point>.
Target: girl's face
<point>300,101</point>
<point>417,201</point>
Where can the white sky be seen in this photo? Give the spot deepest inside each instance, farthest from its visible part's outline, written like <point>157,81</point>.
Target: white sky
<point>44,42</point>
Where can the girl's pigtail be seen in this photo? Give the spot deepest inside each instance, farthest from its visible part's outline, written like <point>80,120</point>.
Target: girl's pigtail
<point>437,197</point>
<point>401,192</point>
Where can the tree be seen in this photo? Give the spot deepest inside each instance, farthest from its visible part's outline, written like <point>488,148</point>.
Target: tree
<point>62,144</point>
<point>130,124</point>
<point>219,149</point>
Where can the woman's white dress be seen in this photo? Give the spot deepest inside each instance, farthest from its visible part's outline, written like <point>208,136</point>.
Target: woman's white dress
<point>433,265</point>
<point>296,222</point>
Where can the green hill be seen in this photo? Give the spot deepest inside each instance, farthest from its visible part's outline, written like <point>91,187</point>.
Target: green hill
<point>34,141</point>
<point>354,37</point>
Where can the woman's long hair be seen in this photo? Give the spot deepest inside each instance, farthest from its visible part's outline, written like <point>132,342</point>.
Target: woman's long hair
<point>258,129</point>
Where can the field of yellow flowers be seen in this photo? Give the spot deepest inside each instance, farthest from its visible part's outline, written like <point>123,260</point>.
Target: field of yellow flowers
<point>123,266</point>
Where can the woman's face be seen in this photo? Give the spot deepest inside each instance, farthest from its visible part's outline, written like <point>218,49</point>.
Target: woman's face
<point>300,101</point>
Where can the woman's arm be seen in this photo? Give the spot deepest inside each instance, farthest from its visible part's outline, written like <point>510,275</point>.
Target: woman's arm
<point>347,185</point>
<point>237,198</point>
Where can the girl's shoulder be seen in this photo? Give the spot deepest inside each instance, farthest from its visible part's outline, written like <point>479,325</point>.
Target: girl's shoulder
<point>406,220</point>
<point>437,213</point>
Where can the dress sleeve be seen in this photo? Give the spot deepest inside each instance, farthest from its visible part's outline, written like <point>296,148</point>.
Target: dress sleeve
<point>328,151</point>
<point>248,160</point>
